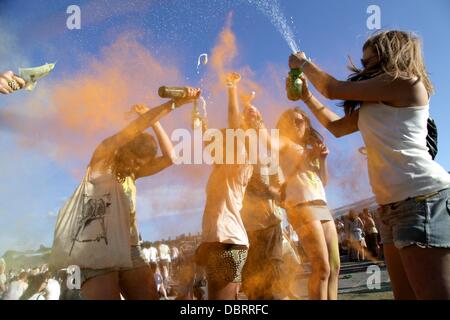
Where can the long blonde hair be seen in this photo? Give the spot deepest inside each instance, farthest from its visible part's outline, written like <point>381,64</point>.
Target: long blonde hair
<point>400,56</point>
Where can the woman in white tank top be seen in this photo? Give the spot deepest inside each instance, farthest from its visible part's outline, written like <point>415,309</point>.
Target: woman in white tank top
<point>303,161</point>
<point>302,158</point>
<point>388,101</point>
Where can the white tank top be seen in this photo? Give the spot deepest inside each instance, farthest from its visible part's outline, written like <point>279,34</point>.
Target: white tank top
<point>399,164</point>
<point>302,180</point>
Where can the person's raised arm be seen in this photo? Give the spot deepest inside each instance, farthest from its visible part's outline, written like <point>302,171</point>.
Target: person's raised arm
<point>167,159</point>
<point>234,114</point>
<point>336,125</point>
<point>137,126</point>
<point>380,88</point>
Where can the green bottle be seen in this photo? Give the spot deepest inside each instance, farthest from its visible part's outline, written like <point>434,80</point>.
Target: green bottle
<point>294,91</point>
<point>172,92</point>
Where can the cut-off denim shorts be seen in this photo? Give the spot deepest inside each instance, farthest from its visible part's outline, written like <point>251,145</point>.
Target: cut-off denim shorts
<point>423,221</point>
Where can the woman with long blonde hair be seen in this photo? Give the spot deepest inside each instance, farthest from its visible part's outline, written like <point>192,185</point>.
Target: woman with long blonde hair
<point>388,102</point>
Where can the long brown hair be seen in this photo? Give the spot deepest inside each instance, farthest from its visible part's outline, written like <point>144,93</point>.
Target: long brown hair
<point>399,55</point>
<point>141,146</point>
<point>285,123</point>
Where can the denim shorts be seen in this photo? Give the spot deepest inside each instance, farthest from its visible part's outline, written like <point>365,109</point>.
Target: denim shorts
<point>137,259</point>
<point>423,221</point>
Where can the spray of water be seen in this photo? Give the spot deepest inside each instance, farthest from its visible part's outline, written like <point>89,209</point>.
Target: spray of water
<point>271,9</point>
<point>202,59</point>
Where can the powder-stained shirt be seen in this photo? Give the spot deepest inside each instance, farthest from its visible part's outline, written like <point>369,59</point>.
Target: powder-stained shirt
<point>225,191</point>
<point>303,182</point>
<point>259,210</point>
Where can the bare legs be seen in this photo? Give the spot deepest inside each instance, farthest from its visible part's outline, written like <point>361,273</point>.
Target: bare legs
<point>222,291</point>
<point>419,273</point>
<point>321,246</point>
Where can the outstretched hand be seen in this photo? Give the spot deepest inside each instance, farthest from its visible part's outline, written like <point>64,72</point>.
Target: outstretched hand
<point>140,109</point>
<point>252,117</point>
<point>9,82</point>
<point>233,78</point>
<point>192,95</point>
<point>296,60</point>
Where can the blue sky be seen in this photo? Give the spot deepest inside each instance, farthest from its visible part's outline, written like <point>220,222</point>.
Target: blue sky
<point>36,180</point>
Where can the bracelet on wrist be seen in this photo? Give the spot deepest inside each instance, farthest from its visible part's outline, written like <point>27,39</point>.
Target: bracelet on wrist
<point>231,85</point>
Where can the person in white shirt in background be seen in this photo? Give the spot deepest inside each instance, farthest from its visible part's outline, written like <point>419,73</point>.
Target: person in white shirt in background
<point>36,289</point>
<point>17,287</point>
<point>164,261</point>
<point>153,255</point>
<point>146,253</point>
<point>53,289</point>
<point>2,277</point>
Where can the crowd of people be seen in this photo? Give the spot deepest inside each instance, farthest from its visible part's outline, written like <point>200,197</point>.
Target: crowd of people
<point>387,101</point>
<point>37,283</point>
<point>359,237</point>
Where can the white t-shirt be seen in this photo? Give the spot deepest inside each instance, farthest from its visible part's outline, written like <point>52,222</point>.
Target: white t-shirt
<point>146,253</point>
<point>175,253</point>
<point>129,189</point>
<point>164,252</point>
<point>225,191</point>
<point>53,289</point>
<point>153,254</point>
<point>15,290</point>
